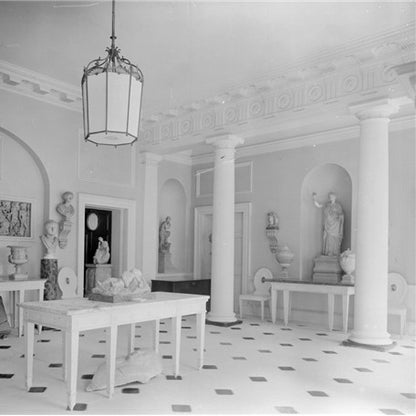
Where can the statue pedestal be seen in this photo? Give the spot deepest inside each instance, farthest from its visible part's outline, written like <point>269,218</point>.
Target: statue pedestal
<point>327,269</point>
<point>49,271</point>
<point>165,263</point>
<point>96,273</point>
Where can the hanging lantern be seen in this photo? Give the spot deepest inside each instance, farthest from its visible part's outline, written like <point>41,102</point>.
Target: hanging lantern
<point>111,97</point>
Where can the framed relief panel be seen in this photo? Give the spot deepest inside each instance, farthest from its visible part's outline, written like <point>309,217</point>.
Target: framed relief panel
<point>16,218</point>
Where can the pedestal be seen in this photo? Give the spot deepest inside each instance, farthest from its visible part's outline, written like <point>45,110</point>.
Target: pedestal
<point>327,270</point>
<point>96,273</point>
<point>165,263</point>
<point>49,271</point>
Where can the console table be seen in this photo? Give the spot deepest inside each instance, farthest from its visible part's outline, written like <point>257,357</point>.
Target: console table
<point>80,314</point>
<point>18,287</point>
<point>344,290</point>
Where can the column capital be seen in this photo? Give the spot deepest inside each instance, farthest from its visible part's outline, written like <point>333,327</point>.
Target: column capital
<point>225,141</point>
<point>148,158</point>
<point>379,108</point>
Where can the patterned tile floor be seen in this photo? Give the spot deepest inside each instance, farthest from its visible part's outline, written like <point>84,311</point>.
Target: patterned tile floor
<point>252,368</point>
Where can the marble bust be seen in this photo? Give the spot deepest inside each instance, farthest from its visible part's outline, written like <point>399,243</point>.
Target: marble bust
<point>65,208</point>
<point>49,239</point>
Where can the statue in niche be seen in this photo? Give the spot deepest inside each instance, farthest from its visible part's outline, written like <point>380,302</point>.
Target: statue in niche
<point>102,254</point>
<point>49,239</point>
<point>164,233</point>
<point>65,208</point>
<point>333,225</point>
<point>272,221</point>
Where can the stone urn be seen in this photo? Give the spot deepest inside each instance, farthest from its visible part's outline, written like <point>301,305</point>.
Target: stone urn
<point>284,257</point>
<point>18,257</point>
<point>347,263</point>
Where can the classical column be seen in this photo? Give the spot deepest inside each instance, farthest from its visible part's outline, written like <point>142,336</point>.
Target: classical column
<point>222,270</point>
<point>370,304</point>
<point>150,234</point>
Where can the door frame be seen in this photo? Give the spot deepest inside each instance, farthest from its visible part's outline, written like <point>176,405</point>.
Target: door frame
<point>127,208</point>
<point>199,213</point>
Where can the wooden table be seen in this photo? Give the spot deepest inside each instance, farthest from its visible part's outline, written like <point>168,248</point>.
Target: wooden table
<point>331,290</point>
<point>18,287</point>
<point>79,314</point>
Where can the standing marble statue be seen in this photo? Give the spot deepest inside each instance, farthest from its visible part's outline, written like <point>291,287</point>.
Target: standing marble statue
<point>102,254</point>
<point>333,225</point>
<point>164,233</point>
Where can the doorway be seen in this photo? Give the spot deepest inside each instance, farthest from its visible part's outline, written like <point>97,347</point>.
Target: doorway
<point>202,246</point>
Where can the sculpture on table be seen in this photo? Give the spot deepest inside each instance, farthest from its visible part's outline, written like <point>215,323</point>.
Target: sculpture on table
<point>165,262</point>
<point>347,262</point>
<point>18,257</point>
<point>102,254</point>
<point>327,268</point>
<point>50,239</point>
<point>333,225</point>
<point>67,211</point>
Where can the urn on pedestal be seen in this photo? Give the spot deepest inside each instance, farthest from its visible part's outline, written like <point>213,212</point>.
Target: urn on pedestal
<point>347,263</point>
<point>284,257</point>
<point>18,257</point>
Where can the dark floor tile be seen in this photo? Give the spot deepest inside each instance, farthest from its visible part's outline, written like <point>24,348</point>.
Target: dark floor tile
<point>286,345</point>
<point>254,324</point>
<point>305,339</point>
<point>44,340</point>
<point>137,336</point>
<point>285,329</point>
<point>191,336</point>
<point>391,412</point>
<point>256,378</point>
<point>224,392</point>
<point>23,356</point>
<point>214,332</point>
<point>248,338</point>
<point>268,333</point>
<point>322,334</point>
<point>196,349</point>
<point>329,352</point>
<point>82,335</point>
<point>170,377</point>
<point>55,365</point>
<point>162,331</point>
<point>139,326</point>
<point>226,343</point>
<point>186,327</point>
<point>209,367</point>
<point>235,328</point>
<point>286,410</point>
<point>80,407</point>
<point>181,408</point>
<point>101,341</point>
<point>409,395</point>
<point>167,357</point>
<point>87,376</point>
<point>284,368</point>
<point>136,348</point>
<point>4,347</point>
<point>164,342</point>
<point>5,375</point>
<point>265,351</point>
<point>343,380</point>
<point>309,359</point>
<point>239,358</point>
<point>316,393</point>
<point>130,390</point>
<point>408,346</point>
<point>395,353</point>
<point>363,370</point>
<point>379,360</point>
<point>37,389</point>
<point>98,356</point>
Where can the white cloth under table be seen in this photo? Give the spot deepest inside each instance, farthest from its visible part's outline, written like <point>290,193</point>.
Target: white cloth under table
<point>344,290</point>
<point>80,314</point>
<point>18,287</point>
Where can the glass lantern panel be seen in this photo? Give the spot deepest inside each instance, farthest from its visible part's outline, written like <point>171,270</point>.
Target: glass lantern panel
<point>96,102</point>
<point>135,102</point>
<point>118,95</point>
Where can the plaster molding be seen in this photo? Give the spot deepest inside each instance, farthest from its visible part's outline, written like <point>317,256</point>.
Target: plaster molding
<point>32,84</point>
<point>378,108</point>
<point>183,158</point>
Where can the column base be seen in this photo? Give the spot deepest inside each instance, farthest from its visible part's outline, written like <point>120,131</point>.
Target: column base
<point>381,348</point>
<point>224,324</point>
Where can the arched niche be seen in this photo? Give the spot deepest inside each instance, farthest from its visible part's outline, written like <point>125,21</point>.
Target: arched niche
<point>322,179</point>
<point>23,177</point>
<point>173,203</point>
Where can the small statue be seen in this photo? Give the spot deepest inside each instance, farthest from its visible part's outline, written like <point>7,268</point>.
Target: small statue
<point>49,239</point>
<point>272,221</point>
<point>164,233</point>
<point>65,208</point>
<point>102,254</point>
<point>333,225</point>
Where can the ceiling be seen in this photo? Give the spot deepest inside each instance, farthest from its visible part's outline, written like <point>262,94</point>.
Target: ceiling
<point>188,50</point>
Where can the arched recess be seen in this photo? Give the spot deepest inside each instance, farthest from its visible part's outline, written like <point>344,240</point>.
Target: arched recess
<point>322,179</point>
<point>174,203</point>
<point>23,177</point>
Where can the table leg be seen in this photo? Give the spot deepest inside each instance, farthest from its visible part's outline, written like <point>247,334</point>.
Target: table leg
<point>130,341</point>
<point>200,333</point>
<point>65,363</point>
<point>176,330</point>
<point>12,307</point>
<point>274,305</point>
<point>111,345</point>
<point>286,300</point>
<point>40,300</point>
<point>156,335</point>
<point>331,302</point>
<point>71,352</point>
<point>29,338</point>
<point>19,312</point>
<point>345,307</point>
